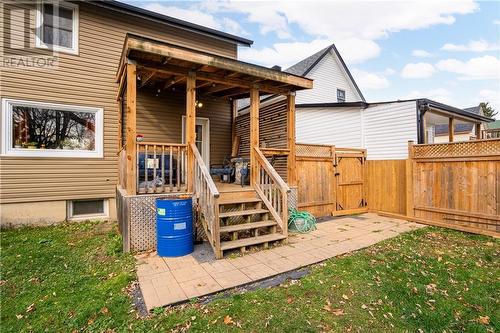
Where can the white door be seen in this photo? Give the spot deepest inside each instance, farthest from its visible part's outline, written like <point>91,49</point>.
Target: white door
<point>202,137</point>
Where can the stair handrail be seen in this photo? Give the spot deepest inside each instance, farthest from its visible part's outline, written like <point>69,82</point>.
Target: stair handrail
<point>267,182</point>
<point>207,197</point>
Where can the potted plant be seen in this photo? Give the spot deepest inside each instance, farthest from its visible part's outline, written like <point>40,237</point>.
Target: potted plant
<point>18,143</point>
<point>31,145</point>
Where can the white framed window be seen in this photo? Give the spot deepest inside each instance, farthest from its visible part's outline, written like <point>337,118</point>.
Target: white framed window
<point>87,209</point>
<point>36,129</point>
<point>57,25</point>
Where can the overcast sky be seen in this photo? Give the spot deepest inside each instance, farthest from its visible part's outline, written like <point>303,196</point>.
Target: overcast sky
<point>448,51</point>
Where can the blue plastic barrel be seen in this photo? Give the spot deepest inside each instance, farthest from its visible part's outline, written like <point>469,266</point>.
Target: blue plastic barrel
<point>174,227</point>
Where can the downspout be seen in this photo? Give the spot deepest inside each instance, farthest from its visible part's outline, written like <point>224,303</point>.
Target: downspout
<point>422,108</point>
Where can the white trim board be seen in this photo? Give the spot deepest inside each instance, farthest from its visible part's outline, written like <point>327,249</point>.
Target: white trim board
<point>6,136</point>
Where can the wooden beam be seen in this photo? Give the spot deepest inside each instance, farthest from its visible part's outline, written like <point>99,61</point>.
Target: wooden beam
<point>146,78</point>
<point>176,52</point>
<point>234,116</point>
<point>291,163</point>
<point>224,80</point>
<point>173,81</point>
<point>190,126</point>
<point>131,129</point>
<point>451,129</point>
<point>477,128</point>
<point>204,84</point>
<point>121,85</point>
<point>254,133</point>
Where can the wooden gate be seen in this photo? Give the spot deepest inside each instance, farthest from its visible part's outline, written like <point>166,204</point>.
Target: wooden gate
<point>330,179</point>
<point>349,180</point>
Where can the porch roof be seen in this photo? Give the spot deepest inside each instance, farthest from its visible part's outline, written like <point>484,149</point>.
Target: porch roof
<point>165,66</point>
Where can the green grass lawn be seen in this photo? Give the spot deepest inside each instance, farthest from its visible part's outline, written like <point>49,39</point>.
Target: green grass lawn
<point>74,278</point>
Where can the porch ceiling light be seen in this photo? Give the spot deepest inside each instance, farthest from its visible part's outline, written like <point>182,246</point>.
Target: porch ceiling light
<point>199,104</point>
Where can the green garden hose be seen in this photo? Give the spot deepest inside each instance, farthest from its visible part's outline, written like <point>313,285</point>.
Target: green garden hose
<point>301,222</point>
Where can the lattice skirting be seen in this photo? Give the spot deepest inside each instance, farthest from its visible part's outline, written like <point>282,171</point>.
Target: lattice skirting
<point>293,198</point>
<point>137,220</point>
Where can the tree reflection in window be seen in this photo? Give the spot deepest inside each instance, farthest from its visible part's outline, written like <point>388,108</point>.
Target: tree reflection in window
<point>38,128</point>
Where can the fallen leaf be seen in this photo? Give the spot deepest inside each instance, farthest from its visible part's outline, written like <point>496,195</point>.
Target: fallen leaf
<point>19,316</point>
<point>228,320</point>
<point>104,310</point>
<point>289,300</point>
<point>345,297</point>
<point>31,308</point>
<point>484,320</point>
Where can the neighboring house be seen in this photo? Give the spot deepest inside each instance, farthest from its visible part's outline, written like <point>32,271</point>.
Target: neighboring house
<point>492,130</point>
<point>463,132</point>
<point>135,107</point>
<point>335,112</point>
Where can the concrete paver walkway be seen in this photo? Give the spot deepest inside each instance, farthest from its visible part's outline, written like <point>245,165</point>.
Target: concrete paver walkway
<point>165,281</point>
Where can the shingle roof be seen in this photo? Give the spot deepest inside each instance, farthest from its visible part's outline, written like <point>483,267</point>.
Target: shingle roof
<point>473,109</point>
<point>305,65</point>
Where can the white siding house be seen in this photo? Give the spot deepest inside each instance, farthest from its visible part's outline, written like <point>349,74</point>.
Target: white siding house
<point>384,128</point>
<point>339,126</point>
<point>387,128</point>
<point>328,75</point>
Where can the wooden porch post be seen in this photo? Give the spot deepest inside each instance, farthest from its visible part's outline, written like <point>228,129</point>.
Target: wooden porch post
<point>291,165</point>
<point>254,133</point>
<point>477,128</point>
<point>190,127</point>
<point>451,129</point>
<point>131,129</point>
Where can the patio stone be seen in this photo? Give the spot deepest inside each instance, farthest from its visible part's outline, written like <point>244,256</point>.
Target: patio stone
<point>230,279</point>
<point>243,261</point>
<point>258,271</point>
<point>200,286</point>
<point>218,266</point>
<point>282,265</point>
<point>167,288</point>
<point>189,273</point>
<point>165,281</point>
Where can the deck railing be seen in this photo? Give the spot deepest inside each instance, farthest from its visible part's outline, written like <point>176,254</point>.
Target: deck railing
<point>272,190</point>
<point>161,167</point>
<point>207,196</point>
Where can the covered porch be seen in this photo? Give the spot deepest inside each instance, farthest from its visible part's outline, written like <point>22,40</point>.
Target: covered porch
<point>177,123</point>
<point>441,123</point>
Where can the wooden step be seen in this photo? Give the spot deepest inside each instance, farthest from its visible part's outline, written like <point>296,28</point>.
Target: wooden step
<point>235,201</point>
<point>247,226</point>
<point>243,212</point>
<point>250,241</point>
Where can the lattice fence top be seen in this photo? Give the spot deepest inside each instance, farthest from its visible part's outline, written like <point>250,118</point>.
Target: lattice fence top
<point>309,150</point>
<point>476,148</point>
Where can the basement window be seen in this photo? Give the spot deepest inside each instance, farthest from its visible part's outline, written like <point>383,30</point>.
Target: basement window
<point>86,209</point>
<point>57,26</point>
<point>340,95</point>
<point>35,129</point>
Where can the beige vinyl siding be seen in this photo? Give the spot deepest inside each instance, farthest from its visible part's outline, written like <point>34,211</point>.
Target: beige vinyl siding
<point>86,79</point>
<point>159,119</point>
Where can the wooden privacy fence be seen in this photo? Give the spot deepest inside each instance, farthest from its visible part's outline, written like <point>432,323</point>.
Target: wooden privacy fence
<point>330,180</point>
<point>456,184</point>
